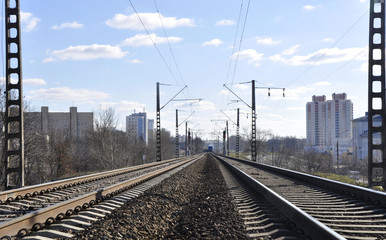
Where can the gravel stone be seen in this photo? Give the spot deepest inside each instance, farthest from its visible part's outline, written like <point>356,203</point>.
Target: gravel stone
<point>192,204</point>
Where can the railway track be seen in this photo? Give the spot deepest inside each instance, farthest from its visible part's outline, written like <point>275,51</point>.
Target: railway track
<point>32,208</point>
<point>352,212</point>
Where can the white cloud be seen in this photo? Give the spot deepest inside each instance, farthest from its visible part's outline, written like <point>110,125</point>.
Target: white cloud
<point>322,83</point>
<point>291,50</point>
<point>34,81</point>
<point>67,94</point>
<point>225,22</point>
<point>251,54</point>
<point>309,7</point>
<point>124,106</point>
<point>204,106</point>
<point>294,93</point>
<point>242,86</point>
<point>26,81</point>
<point>224,92</point>
<point>214,42</point>
<point>150,20</point>
<point>146,40</point>
<point>67,25</point>
<point>267,41</point>
<point>28,21</point>
<point>135,61</point>
<point>328,40</point>
<point>86,52</point>
<point>324,56</point>
<point>295,109</point>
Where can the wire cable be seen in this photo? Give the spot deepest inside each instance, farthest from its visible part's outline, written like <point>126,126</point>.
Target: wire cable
<point>324,54</point>
<point>172,53</point>
<point>155,45</point>
<point>234,42</point>
<point>241,40</point>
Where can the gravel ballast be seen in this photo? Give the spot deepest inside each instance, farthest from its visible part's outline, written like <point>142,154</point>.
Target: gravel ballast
<point>192,204</point>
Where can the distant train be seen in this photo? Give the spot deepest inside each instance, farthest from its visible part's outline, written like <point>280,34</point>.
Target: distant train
<point>209,149</point>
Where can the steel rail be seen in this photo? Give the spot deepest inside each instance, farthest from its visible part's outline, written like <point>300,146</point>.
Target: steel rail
<point>303,220</point>
<point>21,193</point>
<point>38,218</point>
<point>362,193</point>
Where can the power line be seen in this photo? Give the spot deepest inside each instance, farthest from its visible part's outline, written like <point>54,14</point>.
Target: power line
<point>171,51</point>
<point>324,54</point>
<point>241,40</point>
<point>155,45</point>
<point>167,39</point>
<point>234,42</point>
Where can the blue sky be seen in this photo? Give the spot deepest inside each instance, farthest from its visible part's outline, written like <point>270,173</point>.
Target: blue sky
<point>91,54</point>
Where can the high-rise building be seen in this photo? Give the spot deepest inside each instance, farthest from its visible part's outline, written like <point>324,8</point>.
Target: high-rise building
<point>136,124</point>
<point>316,122</point>
<point>329,123</point>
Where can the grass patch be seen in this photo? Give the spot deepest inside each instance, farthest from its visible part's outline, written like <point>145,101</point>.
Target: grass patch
<point>340,178</point>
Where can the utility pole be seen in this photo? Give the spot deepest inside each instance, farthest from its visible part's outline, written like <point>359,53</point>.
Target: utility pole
<point>238,134</point>
<point>177,137</point>
<point>237,131</point>
<point>225,133</point>
<point>158,144</point>
<point>223,140</point>
<point>158,114</point>
<point>337,153</point>
<point>253,145</point>
<point>227,140</point>
<point>189,143</point>
<point>14,121</point>
<point>253,107</point>
<point>376,91</point>
<point>186,139</point>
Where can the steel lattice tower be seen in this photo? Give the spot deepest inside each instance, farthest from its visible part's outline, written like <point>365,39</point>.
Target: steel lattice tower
<point>177,137</point>
<point>376,92</point>
<point>14,137</point>
<point>253,143</point>
<point>158,155</point>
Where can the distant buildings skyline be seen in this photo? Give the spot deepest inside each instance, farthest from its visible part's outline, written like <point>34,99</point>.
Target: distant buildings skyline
<point>139,125</point>
<point>72,123</point>
<point>329,123</point>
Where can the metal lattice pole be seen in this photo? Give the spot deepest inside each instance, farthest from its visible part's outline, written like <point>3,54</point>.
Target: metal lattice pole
<point>376,91</point>
<point>14,133</point>
<point>253,142</point>
<point>238,134</point>
<point>158,156</point>
<point>177,137</point>
<point>227,138</point>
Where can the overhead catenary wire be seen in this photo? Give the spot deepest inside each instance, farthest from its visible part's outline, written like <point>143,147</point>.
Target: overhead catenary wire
<point>310,65</point>
<point>324,54</point>
<point>170,47</point>
<point>241,40</point>
<point>233,49</point>
<point>234,42</point>
<point>154,43</point>
<point>239,47</point>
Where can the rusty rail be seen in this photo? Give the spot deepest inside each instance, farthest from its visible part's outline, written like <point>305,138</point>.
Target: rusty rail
<point>36,220</point>
<point>21,193</point>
